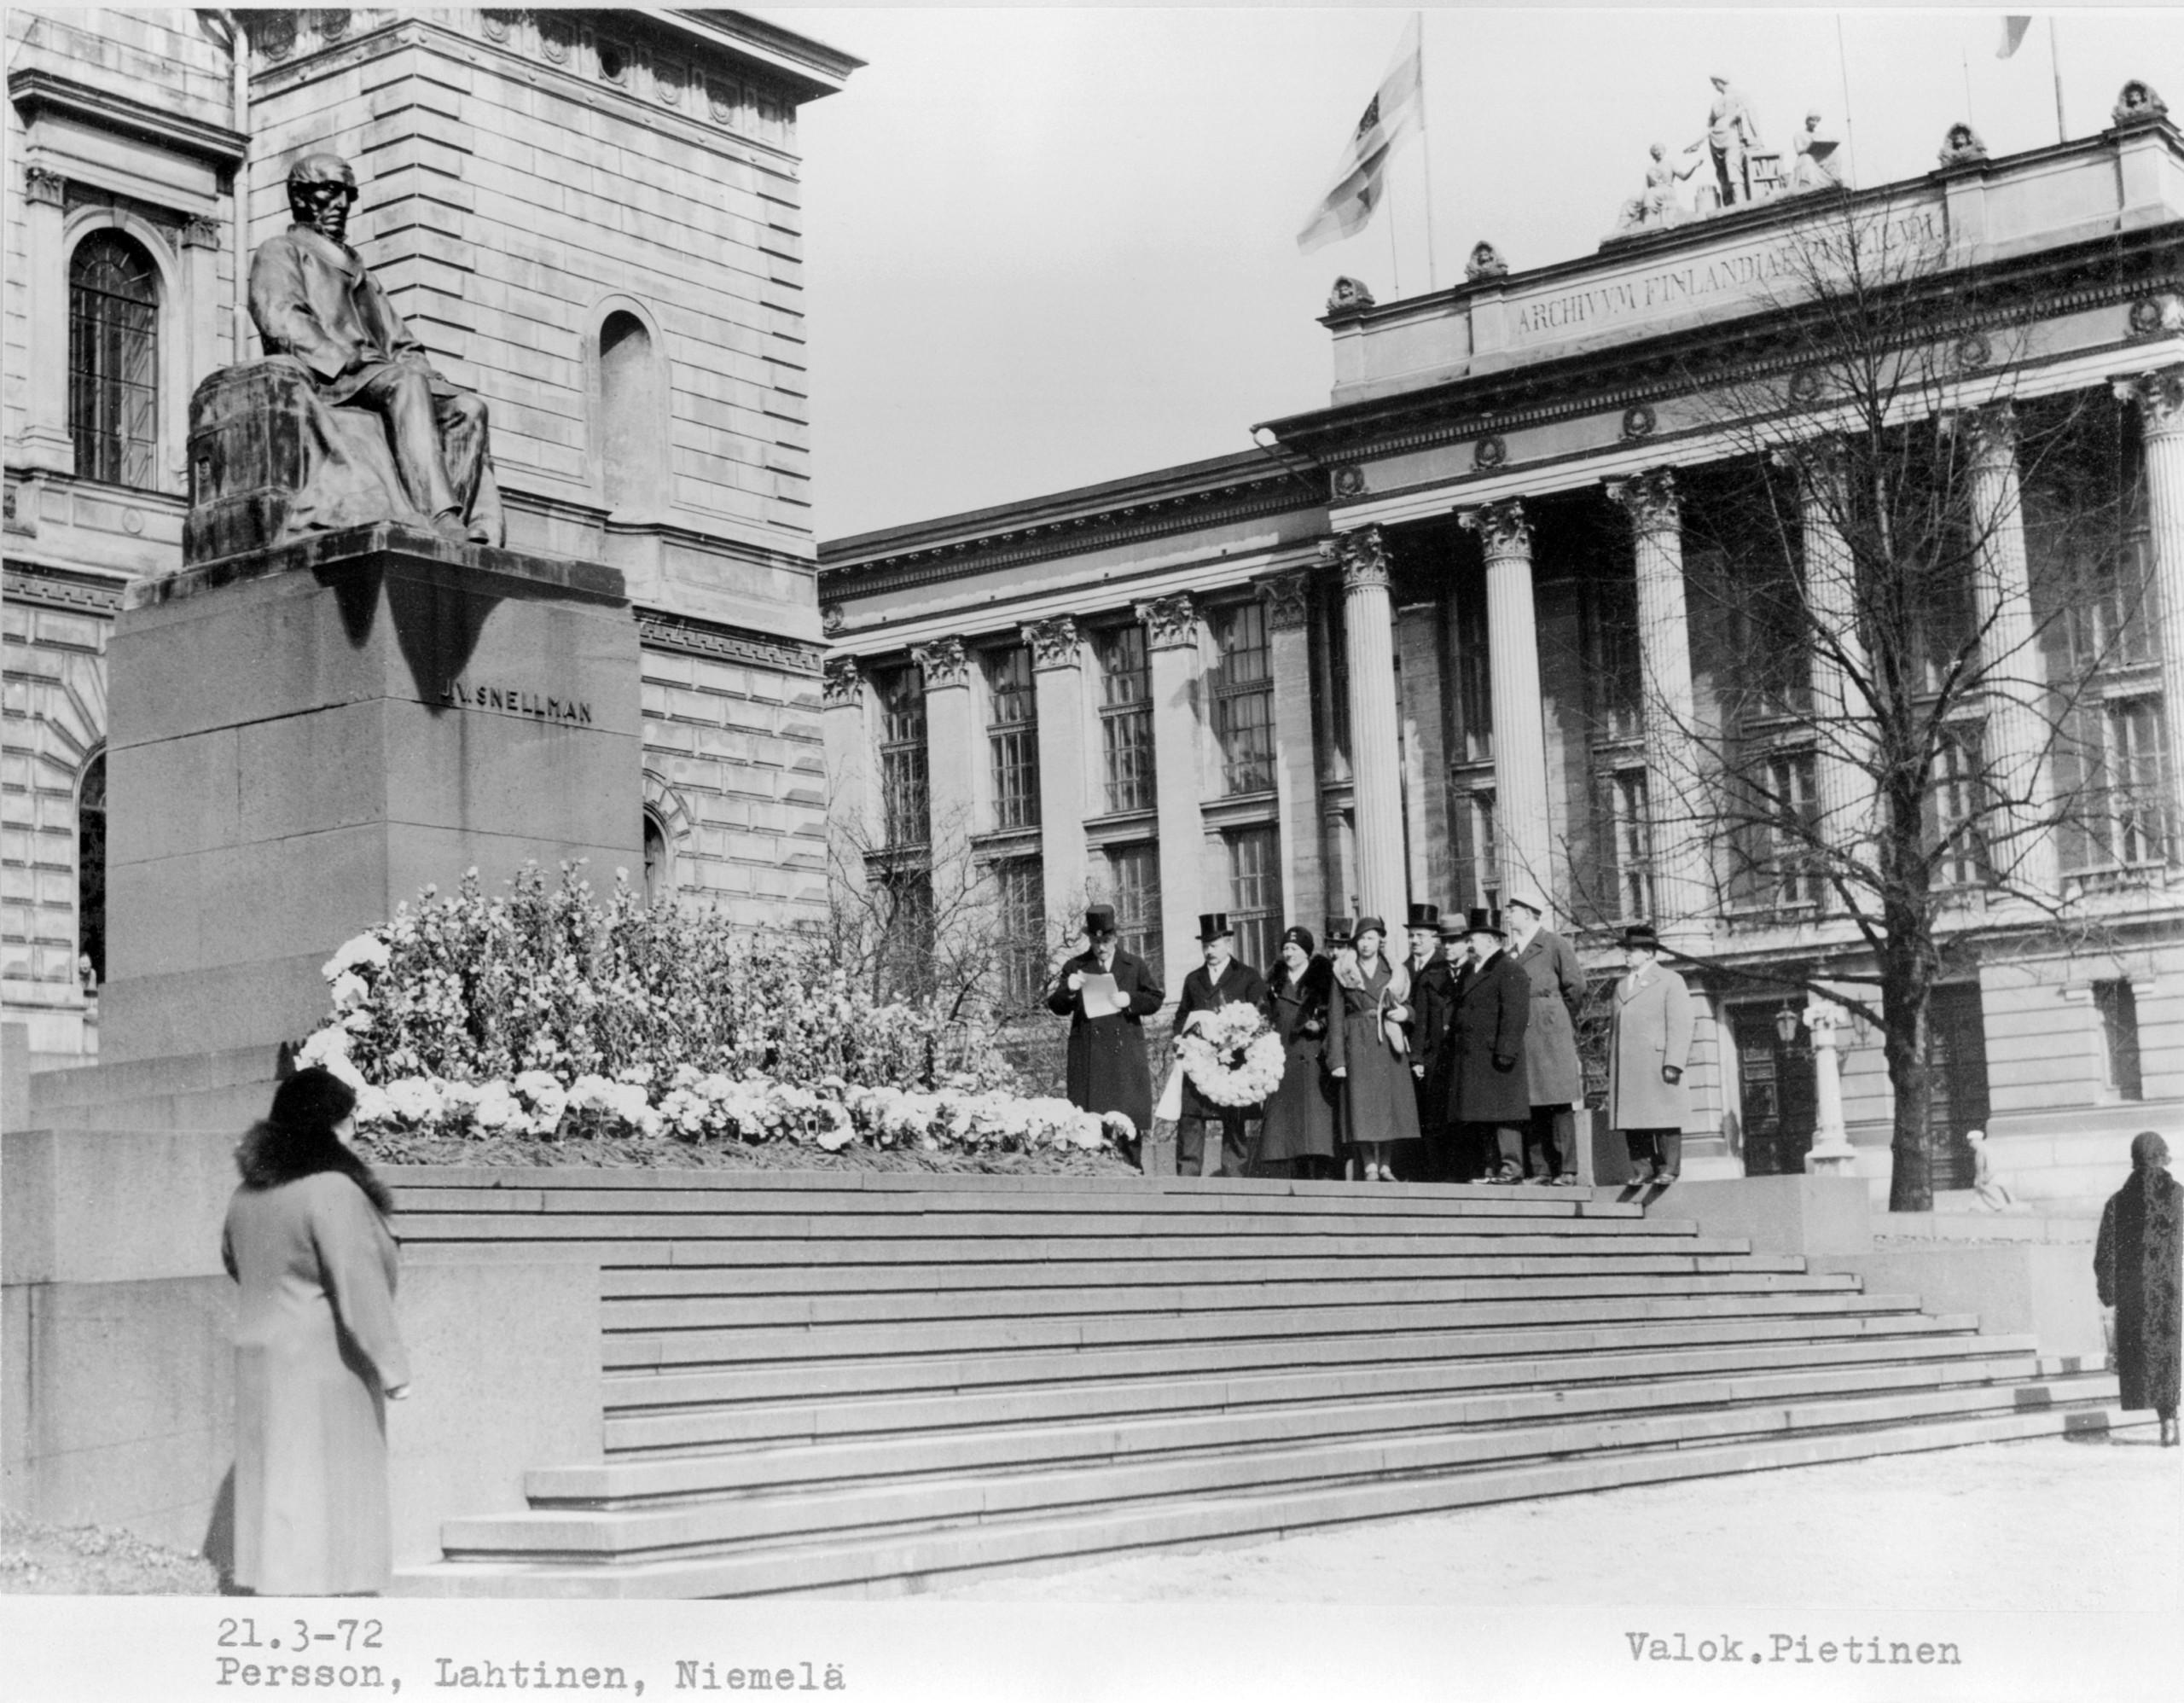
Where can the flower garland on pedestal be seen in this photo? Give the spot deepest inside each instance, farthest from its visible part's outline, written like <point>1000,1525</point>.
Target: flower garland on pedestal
<point>1231,1056</point>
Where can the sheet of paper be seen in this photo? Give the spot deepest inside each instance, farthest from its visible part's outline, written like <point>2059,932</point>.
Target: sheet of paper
<point>1102,998</point>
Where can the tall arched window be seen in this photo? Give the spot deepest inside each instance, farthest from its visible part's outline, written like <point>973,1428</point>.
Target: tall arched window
<point>113,360</point>
<point>633,441</point>
<point>659,861</point>
<point>90,873</point>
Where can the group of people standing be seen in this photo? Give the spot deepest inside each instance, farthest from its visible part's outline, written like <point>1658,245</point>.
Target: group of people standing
<point>1456,1063</point>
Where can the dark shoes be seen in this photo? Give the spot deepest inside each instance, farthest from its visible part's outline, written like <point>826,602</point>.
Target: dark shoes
<point>2169,1433</point>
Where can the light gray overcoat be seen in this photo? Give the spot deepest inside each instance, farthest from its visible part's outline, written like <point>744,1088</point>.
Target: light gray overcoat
<point>1652,1028</point>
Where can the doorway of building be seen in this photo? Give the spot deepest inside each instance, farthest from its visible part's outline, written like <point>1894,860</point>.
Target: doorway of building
<point>1956,1055</point>
<point>1778,1098</point>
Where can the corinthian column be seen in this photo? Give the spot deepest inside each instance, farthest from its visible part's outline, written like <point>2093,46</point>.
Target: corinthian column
<point>1519,734</point>
<point>2017,731</point>
<point>45,441</point>
<point>949,740</point>
<point>1676,823</point>
<point>1178,771</point>
<point>852,824</point>
<point>2160,397</point>
<point>1296,761</point>
<point>1058,688</point>
<point>1375,762</point>
<point>1843,763</point>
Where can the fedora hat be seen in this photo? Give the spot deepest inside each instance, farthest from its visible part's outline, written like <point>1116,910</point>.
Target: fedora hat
<point>1424,917</point>
<point>1452,925</point>
<point>1641,934</point>
<point>1099,919</point>
<point>1212,925</point>
<point>1481,920</point>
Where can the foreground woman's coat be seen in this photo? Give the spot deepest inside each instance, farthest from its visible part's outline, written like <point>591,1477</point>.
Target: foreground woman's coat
<point>1298,1121</point>
<point>1378,1101</point>
<point>2135,1264</point>
<point>317,1349</point>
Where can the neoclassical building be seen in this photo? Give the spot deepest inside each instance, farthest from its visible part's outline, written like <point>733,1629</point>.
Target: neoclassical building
<point>1471,627</point>
<point>590,217</point>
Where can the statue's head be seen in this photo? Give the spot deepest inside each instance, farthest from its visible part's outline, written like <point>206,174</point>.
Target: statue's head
<point>1720,83</point>
<point>320,189</point>
<point>1812,118</point>
<point>1656,150</point>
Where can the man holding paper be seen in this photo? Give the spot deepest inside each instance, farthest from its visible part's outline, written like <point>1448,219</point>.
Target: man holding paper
<point>1107,994</point>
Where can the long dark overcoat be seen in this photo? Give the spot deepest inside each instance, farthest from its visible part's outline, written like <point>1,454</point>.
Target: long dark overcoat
<point>1107,1067</point>
<point>1552,1073</point>
<point>1377,1103</point>
<point>2135,1267</point>
<point>1486,1030</point>
<point>1298,1121</point>
<point>1240,984</point>
<point>1433,1001</point>
<point>317,1349</point>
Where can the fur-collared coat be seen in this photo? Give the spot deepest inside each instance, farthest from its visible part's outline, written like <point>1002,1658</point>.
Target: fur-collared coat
<point>2135,1266</point>
<point>1378,1101</point>
<point>1299,1118</point>
<point>316,1350</point>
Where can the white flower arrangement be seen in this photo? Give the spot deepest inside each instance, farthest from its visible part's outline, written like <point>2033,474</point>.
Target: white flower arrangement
<point>1231,1055</point>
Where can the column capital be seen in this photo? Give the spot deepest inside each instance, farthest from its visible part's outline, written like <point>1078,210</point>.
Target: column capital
<point>1170,622</point>
<point>1362,556</point>
<point>844,679</point>
<point>43,186</point>
<point>199,232</point>
<point>1502,529</point>
<point>1287,597</point>
<point>1650,499</point>
<point>945,663</point>
<point>1053,642</point>
<point>1814,461</point>
<point>1989,433</point>
<point>2160,396</point>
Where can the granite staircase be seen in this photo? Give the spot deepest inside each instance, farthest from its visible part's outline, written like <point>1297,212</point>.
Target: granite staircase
<point>863,1383</point>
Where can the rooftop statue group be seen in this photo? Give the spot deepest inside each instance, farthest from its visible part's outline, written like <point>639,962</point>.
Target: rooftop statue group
<point>1744,169</point>
<point>383,436</point>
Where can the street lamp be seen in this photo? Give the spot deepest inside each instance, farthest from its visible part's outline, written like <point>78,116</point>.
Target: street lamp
<point>1786,1024</point>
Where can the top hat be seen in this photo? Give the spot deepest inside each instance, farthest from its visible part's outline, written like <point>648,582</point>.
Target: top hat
<point>1424,917</point>
<point>1099,919</point>
<point>1641,934</point>
<point>1212,925</point>
<point>1338,930</point>
<point>1524,899</point>
<point>1375,923</point>
<point>1482,921</point>
<point>1298,937</point>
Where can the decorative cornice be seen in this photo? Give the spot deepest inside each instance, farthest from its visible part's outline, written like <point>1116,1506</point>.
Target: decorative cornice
<point>36,91</point>
<point>1054,643</point>
<point>28,583</point>
<point>2160,397</point>
<point>1650,499</point>
<point>43,187</point>
<point>945,663</point>
<point>1288,599</point>
<point>844,680</point>
<point>1502,530</point>
<point>1363,555</point>
<point>1169,622</point>
<point>695,637</point>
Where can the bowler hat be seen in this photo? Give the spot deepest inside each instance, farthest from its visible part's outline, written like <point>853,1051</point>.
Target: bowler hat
<point>1338,930</point>
<point>1641,934</point>
<point>1212,925</point>
<point>1482,921</point>
<point>1299,937</point>
<point>1099,919</point>
<point>1424,917</point>
<point>1373,923</point>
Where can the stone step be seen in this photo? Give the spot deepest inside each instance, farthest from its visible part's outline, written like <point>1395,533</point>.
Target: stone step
<point>800,1340</point>
<point>719,1286</point>
<point>893,1564</point>
<point>690,1528</point>
<point>734,1422</point>
<point>813,1466</point>
<point>954,1376</point>
<point>822,1306</point>
<point>144,1079</point>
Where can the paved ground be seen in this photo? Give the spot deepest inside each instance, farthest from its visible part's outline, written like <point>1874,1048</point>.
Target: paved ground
<point>2045,1525</point>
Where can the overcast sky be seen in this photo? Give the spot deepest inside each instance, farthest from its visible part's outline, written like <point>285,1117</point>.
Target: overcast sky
<point>1049,247</point>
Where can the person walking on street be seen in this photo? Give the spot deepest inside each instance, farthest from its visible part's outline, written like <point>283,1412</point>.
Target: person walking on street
<point>1553,1075</point>
<point>1648,1049</point>
<point>1433,997</point>
<point>1489,1103</point>
<point>2136,1268</point>
<point>1108,1070</point>
<point>1220,980</point>
<point>1369,1046</point>
<point>1296,1131</point>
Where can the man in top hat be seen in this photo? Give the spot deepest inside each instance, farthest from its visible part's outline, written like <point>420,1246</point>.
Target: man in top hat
<point>1553,1074</point>
<point>1488,1100</point>
<point>1108,1067</point>
<point>1432,1001</point>
<point>1220,980</point>
<point>1647,1053</point>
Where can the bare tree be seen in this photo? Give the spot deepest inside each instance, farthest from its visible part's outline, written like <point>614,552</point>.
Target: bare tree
<point>1907,597</point>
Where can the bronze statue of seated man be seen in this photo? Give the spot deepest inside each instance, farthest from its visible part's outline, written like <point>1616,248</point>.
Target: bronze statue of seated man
<point>314,302</point>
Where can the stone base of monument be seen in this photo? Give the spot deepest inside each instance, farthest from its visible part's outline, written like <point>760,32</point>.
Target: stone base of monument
<point>302,738</point>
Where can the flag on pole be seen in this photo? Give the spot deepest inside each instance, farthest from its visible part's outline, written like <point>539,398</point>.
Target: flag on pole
<point>2013,28</point>
<point>1390,118</point>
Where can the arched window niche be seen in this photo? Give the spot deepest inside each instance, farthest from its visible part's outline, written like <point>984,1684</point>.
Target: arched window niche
<point>113,360</point>
<point>90,873</point>
<point>630,437</point>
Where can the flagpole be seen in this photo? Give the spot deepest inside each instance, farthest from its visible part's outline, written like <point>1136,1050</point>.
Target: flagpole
<point>2055,64</point>
<point>1970,116</point>
<point>1849,132</point>
<point>1425,149</point>
<point>1395,260</point>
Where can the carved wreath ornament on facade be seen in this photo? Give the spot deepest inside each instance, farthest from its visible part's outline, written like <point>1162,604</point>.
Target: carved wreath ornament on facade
<point>1489,452</point>
<point>1349,481</point>
<point>1638,421</point>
